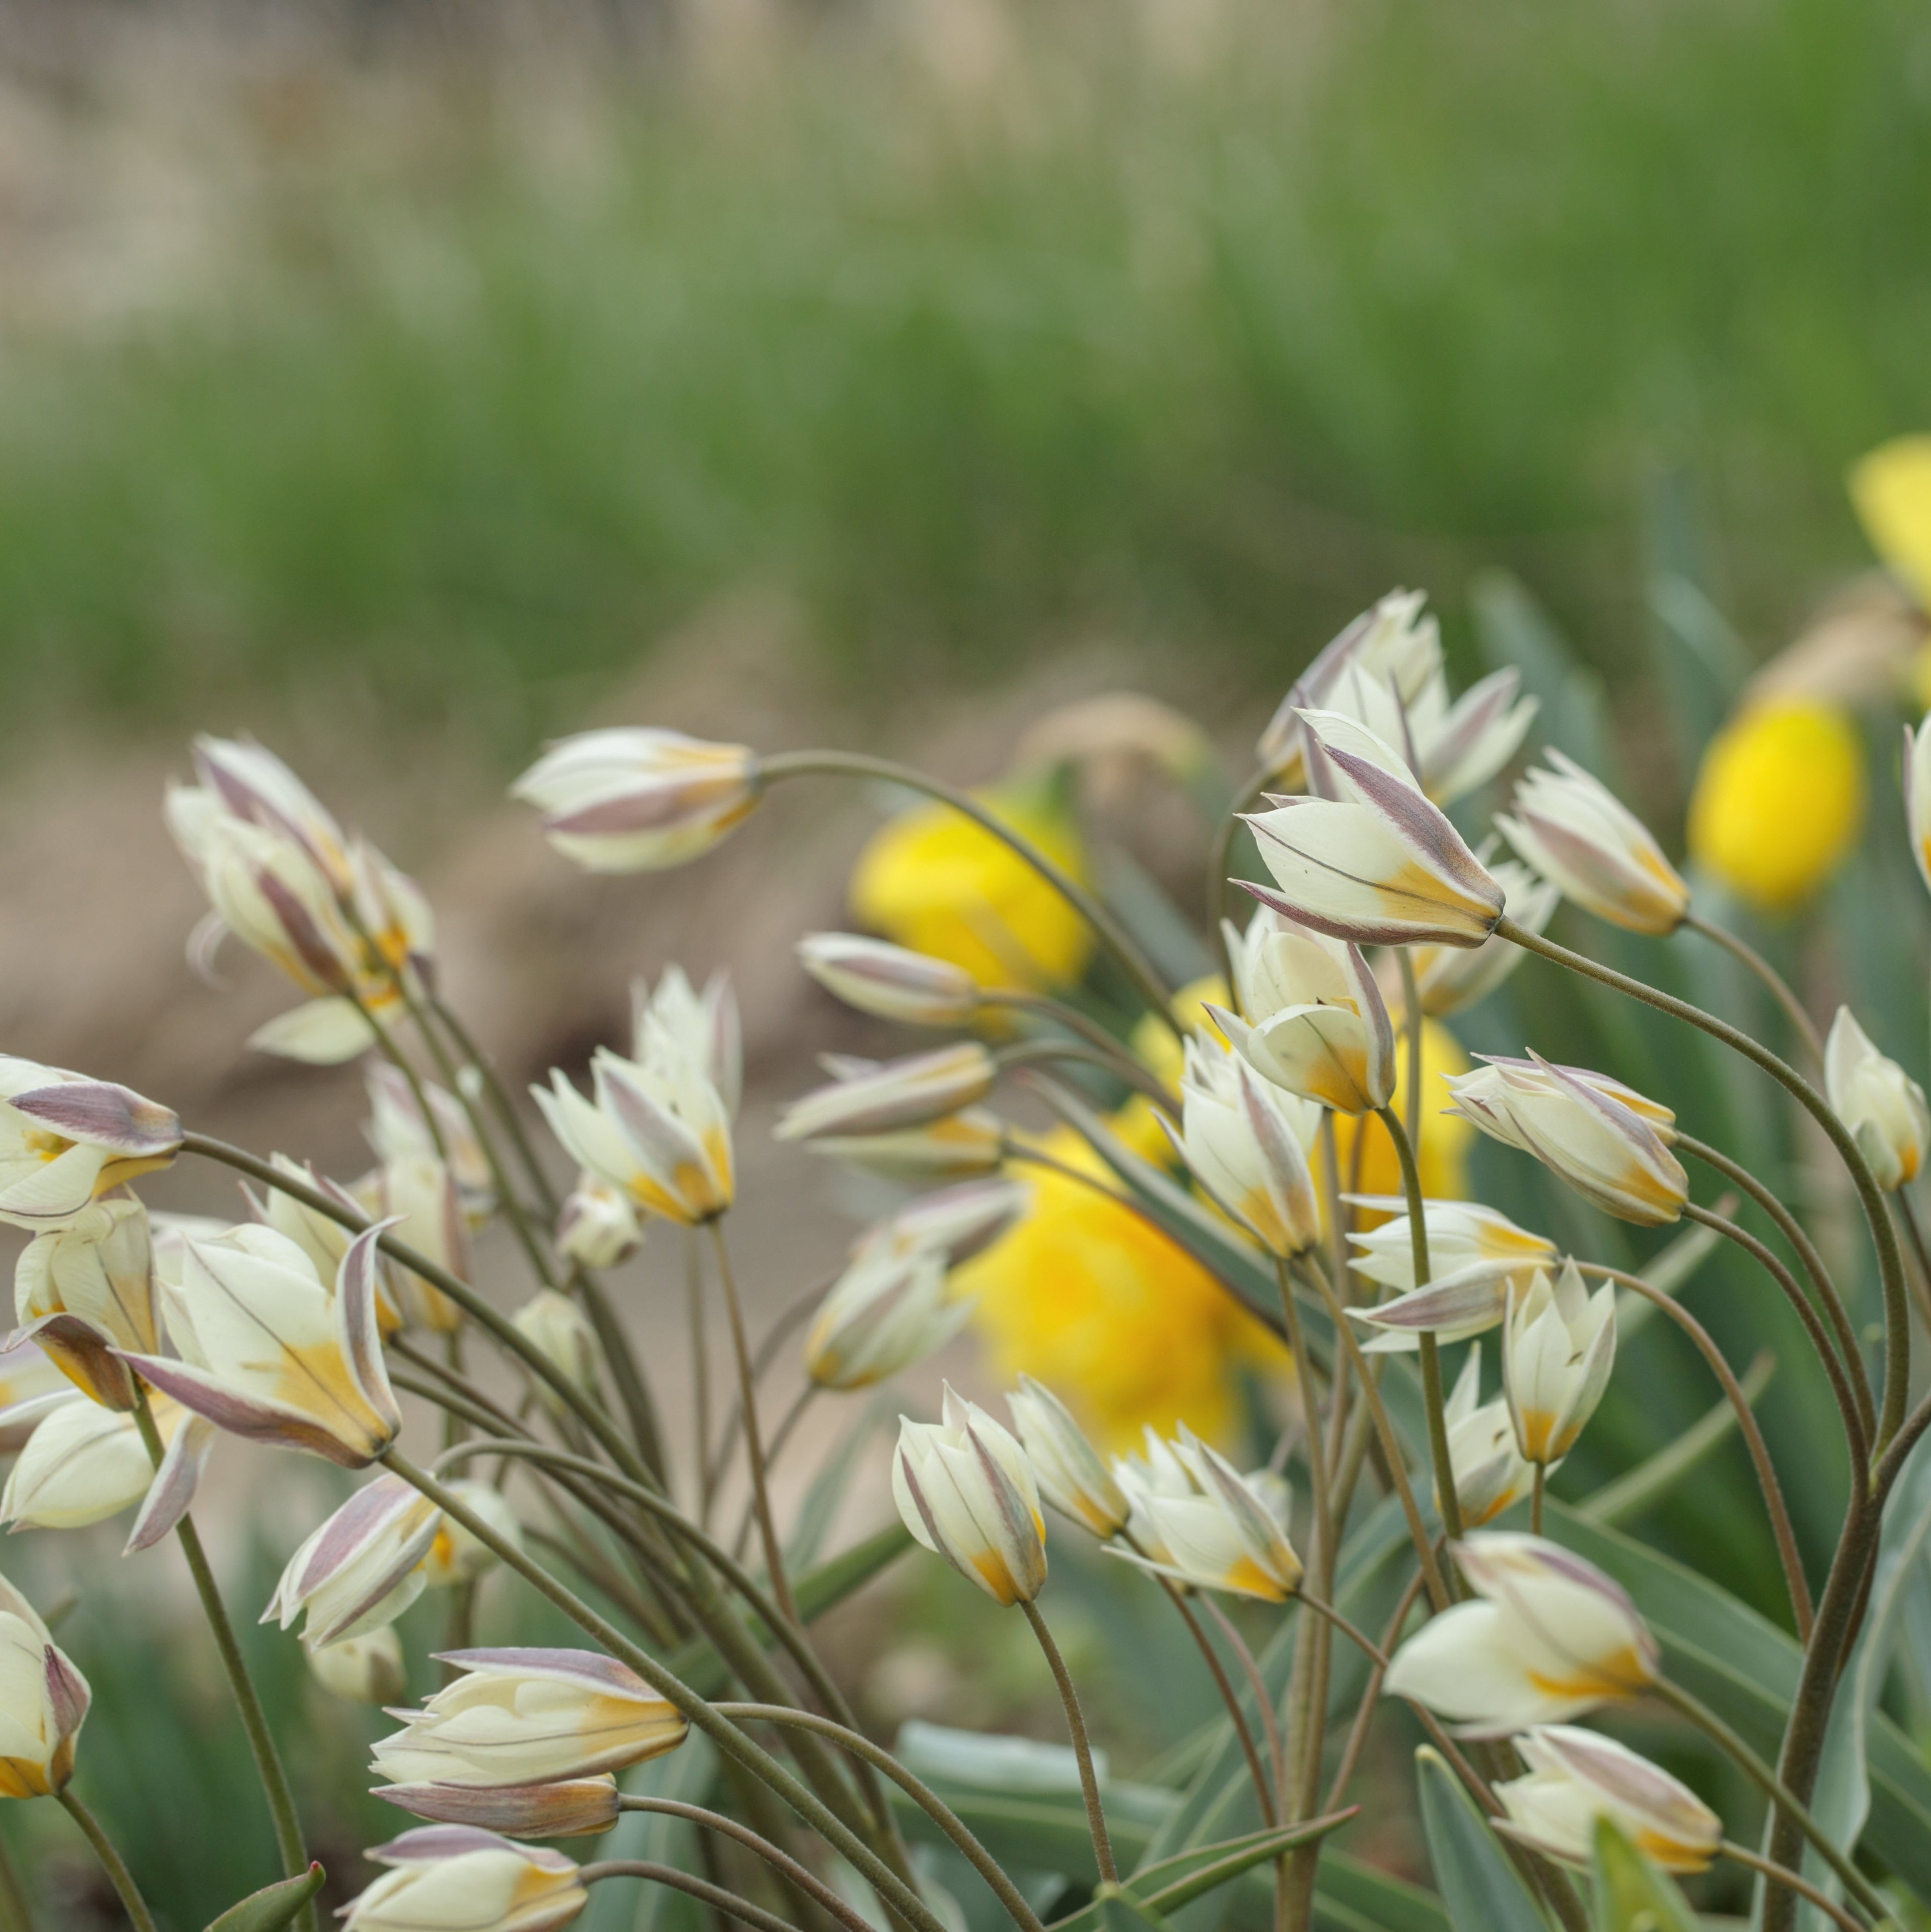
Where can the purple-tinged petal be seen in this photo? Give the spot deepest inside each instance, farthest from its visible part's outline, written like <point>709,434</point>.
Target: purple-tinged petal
<point>104,1114</point>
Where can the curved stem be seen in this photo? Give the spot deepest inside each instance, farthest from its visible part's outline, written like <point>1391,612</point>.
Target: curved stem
<point>546,1193</point>
<point>1773,1787</point>
<point>1914,1233</point>
<point>1360,1638</point>
<point>1357,1736</point>
<point>730,1741</point>
<point>268,1766</point>
<point>927,1800</point>
<point>1781,1527</point>
<point>1146,982</point>
<point>1853,1427</point>
<point>1060,1012</point>
<point>1243,1732</point>
<point>1096,1817</point>
<point>1793,1231</point>
<point>1781,989</point>
<point>1028,1051</point>
<point>1795,1882</point>
<point>112,1862</point>
<point>1433,1398</point>
<point>780,1862</point>
<point>1263,1701</point>
<point>1217,855</point>
<point>781,1434</point>
<point>754,1447</point>
<point>714,1896</point>
<point>1883,1236</point>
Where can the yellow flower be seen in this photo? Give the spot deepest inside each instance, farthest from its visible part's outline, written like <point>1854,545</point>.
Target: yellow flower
<point>933,881</point>
<point>1444,1137</point>
<point>1779,798</point>
<point>1891,489</point>
<point>1085,1295</point>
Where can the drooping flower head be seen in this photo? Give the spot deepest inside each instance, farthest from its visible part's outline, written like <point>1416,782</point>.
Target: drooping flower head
<point>456,1878</point>
<point>1577,1776</point>
<point>65,1140</point>
<point>966,1491</point>
<point>43,1702</point>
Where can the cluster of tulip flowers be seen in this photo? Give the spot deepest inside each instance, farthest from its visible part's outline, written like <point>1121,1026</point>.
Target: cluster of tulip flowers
<point>144,1337</point>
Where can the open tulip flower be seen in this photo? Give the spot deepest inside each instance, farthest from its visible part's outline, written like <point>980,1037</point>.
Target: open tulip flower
<point>1548,1637</point>
<point>521,1716</point>
<point>1490,1474</point>
<point>455,1878</point>
<point>1220,1532</point>
<point>1882,1106</point>
<point>1609,1142</point>
<point>889,1308</point>
<point>65,1140</point>
<point>966,1493</point>
<point>397,1131</point>
<point>1576,1777</point>
<point>43,1702</point>
<point>1474,1254</point>
<point>270,1353</point>
<point>1558,1346</point>
<point>673,1024</point>
<point>86,1288</point>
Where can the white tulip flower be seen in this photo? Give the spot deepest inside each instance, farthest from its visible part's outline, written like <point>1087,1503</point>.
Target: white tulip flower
<point>83,1464</point>
<point>889,1308</point>
<point>1577,1776</point>
<point>889,982</point>
<point>880,1098</point>
<point>365,1669</point>
<point>1490,1474</point>
<point>1223,1532</point>
<point>362,1568</point>
<point>455,1878</point>
<point>65,1140</point>
<point>397,1131</point>
<point>674,1022</point>
<point>597,1227</point>
<point>43,1702</point>
<point>1558,1347</point>
<point>1072,1474</point>
<point>1450,979</point>
<point>966,1493</point>
<point>1918,797</point>
<point>456,1556</point>
<point>560,1333</point>
<point>568,1808</point>
<point>1880,1104</point>
<point>971,1142</point>
<point>85,1289</point>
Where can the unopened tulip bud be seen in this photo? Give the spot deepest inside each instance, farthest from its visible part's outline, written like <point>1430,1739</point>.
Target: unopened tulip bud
<point>83,1464</point>
<point>248,781</point>
<point>1608,1142</point>
<point>574,1807</point>
<point>561,1332</point>
<point>65,1140</point>
<point>890,981</point>
<point>456,1556</point>
<point>966,1493</point>
<point>1549,1638</point>
<point>905,1092</point>
<point>456,1876</point>
<point>1072,1475</point>
<point>598,1227</point>
<point>1245,1141</point>
<point>323,1239</point>
<point>638,800</point>
<point>43,1702</point>
<point>889,1308</point>
<point>1222,1533</point>
<point>1490,1474</point>
<point>1369,858</point>
<point>1580,836</point>
<point>1882,1104</point>
<point>528,1717</point>
<point>1558,1347</point>
<point>365,1669</point>
<point>970,1142</point>
<point>362,1568</point>
<point>418,1198</point>
<point>1577,1776</point>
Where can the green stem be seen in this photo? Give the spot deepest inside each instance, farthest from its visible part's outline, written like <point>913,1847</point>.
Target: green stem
<point>1792,1881</point>
<point>1883,1236</point>
<point>1914,1233</point>
<point>1412,1021</point>
<point>268,1767</point>
<point>714,1896</point>
<point>1243,1732</point>
<point>539,1181</point>
<point>1114,937</point>
<point>1028,1052</point>
<point>1434,1400</point>
<point>111,1861</point>
<point>1781,989</point>
<point>700,1369</point>
<point>730,1741</point>
<point>1095,1817</point>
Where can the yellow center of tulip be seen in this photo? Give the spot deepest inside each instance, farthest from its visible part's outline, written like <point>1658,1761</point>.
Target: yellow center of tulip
<point>45,1145</point>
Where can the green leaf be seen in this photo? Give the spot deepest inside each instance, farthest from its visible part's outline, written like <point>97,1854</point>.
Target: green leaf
<point>1349,1894</point>
<point>1631,1494</point>
<point>1120,1911</point>
<point>273,1905</point>
<point>1479,1884</point>
<point>1632,1895</point>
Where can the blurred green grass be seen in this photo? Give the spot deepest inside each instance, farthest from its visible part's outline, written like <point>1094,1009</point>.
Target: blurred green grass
<point>1200,350</point>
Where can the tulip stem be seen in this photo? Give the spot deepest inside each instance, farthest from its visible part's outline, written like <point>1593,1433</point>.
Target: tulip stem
<point>714,1896</point>
<point>1791,1881</point>
<point>1433,1400</point>
<point>1059,1013</point>
<point>754,1447</point>
<point>1357,1736</point>
<point>15,1914</point>
<point>1114,936</point>
<point>1538,1488</point>
<point>1914,1234</point>
<point>927,1800</point>
<point>1412,1021</point>
<point>700,1369</point>
<point>1243,1732</point>
<point>1781,1528</point>
<point>268,1766</point>
<point>546,1193</point>
<point>733,1742</point>
<point>1883,1235</point>
<point>1095,1817</point>
<point>1781,989</point>
<point>1773,1787</point>
<point>111,1861</point>
<point>1027,1052</point>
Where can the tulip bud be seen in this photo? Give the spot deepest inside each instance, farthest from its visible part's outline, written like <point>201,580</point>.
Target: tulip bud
<point>1154,1471</point>
<point>881,1099</point>
<point>65,1140</point>
<point>1245,1142</point>
<point>83,1464</point>
<point>324,1239</point>
<point>970,1142</point>
<point>966,1493</point>
<point>1577,834</point>
<point>1070,1472</point>
<point>457,1557</point>
<point>889,1309</point>
<point>598,1227</point>
<point>1450,979</point>
<point>1223,1532</point>
<point>43,1702</point>
<point>1918,797</point>
<point>249,782</point>
<point>362,1568</point>
<point>956,1222</point>
<point>1489,1473</point>
<point>567,1808</point>
<point>561,1332</point>
<point>530,1717</point>
<point>890,981</point>
<point>639,800</point>
<point>1558,1347</point>
<point>1369,859</point>
<point>1608,1142</point>
<point>675,1022</point>
<point>1880,1104</point>
<point>1550,1638</point>
<point>455,1876</point>
<point>1577,1776</point>
<point>365,1669</point>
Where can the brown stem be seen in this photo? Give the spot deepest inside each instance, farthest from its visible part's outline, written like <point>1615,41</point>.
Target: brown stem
<point>1243,1732</point>
<point>1096,1817</point>
<point>1364,1715</point>
<point>714,1896</point>
<point>1921,1280</point>
<point>112,1862</point>
<point>1792,1881</point>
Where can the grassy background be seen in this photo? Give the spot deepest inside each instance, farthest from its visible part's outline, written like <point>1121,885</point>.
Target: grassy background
<point>972,337</point>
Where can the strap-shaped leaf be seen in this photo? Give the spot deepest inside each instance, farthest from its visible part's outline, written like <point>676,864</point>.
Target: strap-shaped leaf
<point>273,1906</point>
<point>1631,1895</point>
<point>1478,1885</point>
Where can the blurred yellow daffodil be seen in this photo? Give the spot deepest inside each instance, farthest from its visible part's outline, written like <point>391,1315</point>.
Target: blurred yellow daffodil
<point>1778,799</point>
<point>1890,489</point>
<point>933,881</point>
